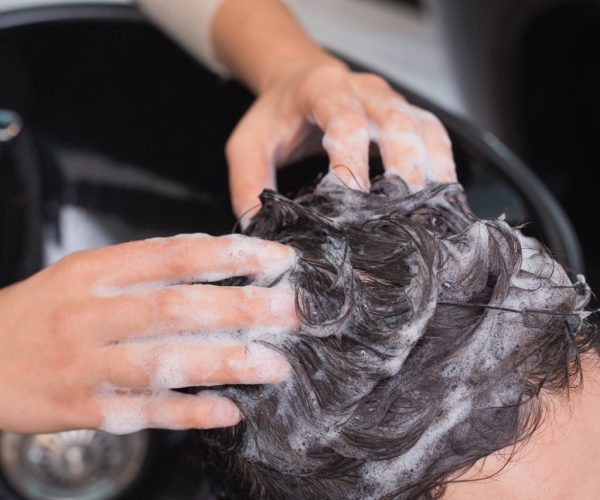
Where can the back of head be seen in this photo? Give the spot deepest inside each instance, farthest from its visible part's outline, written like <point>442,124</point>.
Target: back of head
<point>426,336</point>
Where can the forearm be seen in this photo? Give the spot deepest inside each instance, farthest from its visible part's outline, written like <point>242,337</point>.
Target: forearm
<point>257,41</point>
<point>189,23</point>
<point>260,42</point>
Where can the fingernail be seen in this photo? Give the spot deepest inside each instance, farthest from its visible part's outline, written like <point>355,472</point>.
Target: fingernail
<point>226,413</point>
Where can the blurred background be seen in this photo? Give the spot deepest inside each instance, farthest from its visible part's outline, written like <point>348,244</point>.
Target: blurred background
<point>109,132</point>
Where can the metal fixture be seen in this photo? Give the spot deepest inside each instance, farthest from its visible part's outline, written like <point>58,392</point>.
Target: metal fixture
<point>10,125</point>
<point>83,464</point>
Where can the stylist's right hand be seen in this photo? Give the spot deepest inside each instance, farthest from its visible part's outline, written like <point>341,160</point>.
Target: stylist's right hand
<point>99,339</point>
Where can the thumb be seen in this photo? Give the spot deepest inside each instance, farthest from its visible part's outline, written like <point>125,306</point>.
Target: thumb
<point>251,160</point>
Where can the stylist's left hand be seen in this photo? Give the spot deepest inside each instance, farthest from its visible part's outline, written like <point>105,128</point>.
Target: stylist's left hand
<point>344,111</point>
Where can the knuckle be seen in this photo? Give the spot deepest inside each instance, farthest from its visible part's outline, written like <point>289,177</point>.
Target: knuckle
<point>246,317</point>
<point>67,400</point>
<point>65,360</point>
<point>373,81</point>
<point>177,266</point>
<point>328,102</point>
<point>434,128</point>
<point>166,302</point>
<point>394,120</point>
<point>66,320</point>
<point>191,419</point>
<point>348,120</point>
<point>352,106</point>
<point>177,256</point>
<point>245,303</point>
<point>324,73</point>
<point>121,372</point>
<point>67,367</point>
<point>75,266</point>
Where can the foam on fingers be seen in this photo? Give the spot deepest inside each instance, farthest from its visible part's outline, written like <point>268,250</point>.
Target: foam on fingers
<point>346,138</point>
<point>190,258</point>
<point>349,156</point>
<point>186,367</point>
<point>127,411</point>
<point>413,142</point>
<point>197,309</point>
<point>215,308</point>
<point>439,149</point>
<point>404,154</point>
<point>396,129</point>
<point>199,360</point>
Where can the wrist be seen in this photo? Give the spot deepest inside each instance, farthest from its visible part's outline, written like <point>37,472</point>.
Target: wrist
<point>262,44</point>
<point>293,67</point>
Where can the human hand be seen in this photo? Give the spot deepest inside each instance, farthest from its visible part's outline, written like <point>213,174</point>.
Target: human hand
<point>98,339</point>
<point>346,111</point>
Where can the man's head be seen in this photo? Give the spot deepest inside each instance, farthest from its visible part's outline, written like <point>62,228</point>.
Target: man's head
<point>426,335</point>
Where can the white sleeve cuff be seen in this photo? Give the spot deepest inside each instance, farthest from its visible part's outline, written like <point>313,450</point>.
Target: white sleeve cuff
<point>189,23</point>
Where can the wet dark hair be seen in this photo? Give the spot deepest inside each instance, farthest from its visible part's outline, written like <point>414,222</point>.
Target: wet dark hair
<point>426,337</point>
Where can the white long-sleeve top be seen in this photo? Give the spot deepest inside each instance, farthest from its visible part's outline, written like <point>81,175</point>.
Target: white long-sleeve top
<point>189,23</point>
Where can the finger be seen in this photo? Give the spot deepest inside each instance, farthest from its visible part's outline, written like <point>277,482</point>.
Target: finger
<point>250,155</point>
<point>124,412</point>
<point>395,128</point>
<point>346,138</point>
<point>216,361</point>
<point>438,147</point>
<point>196,309</point>
<point>397,131</point>
<point>186,259</point>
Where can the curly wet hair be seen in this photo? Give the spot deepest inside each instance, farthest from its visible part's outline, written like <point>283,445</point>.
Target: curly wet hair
<point>426,338</point>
